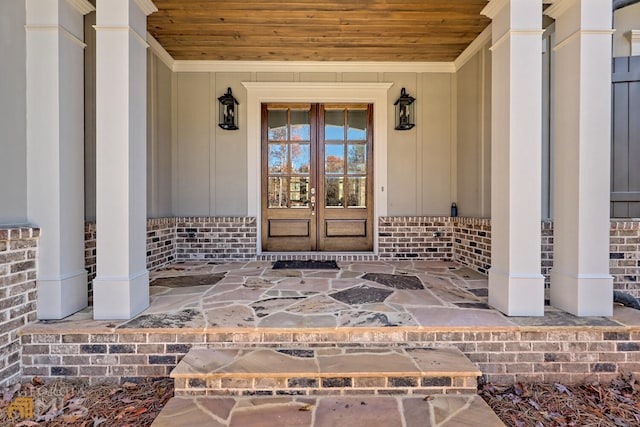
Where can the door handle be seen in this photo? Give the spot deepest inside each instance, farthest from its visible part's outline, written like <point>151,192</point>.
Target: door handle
<point>313,201</point>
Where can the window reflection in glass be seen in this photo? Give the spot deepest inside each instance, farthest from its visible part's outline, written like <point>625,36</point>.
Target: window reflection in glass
<point>278,197</point>
<point>277,158</point>
<point>299,192</point>
<point>334,158</point>
<point>357,192</point>
<point>300,128</point>
<point>357,130</point>
<point>334,125</point>
<point>300,158</point>
<point>278,125</point>
<point>334,192</point>
<point>357,158</point>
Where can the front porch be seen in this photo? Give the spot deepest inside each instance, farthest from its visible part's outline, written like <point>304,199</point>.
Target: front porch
<point>381,304</point>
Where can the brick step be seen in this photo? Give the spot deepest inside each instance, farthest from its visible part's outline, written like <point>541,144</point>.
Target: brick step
<point>315,411</point>
<point>323,371</point>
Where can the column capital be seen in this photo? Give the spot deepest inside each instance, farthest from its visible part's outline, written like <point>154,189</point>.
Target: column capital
<point>82,6</point>
<point>493,7</point>
<point>600,12</point>
<point>146,6</point>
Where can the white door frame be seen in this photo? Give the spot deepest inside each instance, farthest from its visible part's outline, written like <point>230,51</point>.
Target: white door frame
<point>265,92</point>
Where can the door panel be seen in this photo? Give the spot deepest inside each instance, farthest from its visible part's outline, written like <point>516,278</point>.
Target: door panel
<point>345,148</point>
<point>316,173</point>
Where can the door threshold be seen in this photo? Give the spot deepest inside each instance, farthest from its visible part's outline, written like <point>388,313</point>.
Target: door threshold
<point>318,256</point>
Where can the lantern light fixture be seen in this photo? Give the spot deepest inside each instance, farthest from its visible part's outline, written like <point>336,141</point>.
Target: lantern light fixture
<point>228,117</point>
<point>405,115</point>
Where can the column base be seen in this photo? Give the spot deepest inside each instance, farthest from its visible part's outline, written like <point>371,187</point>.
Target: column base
<point>517,295</point>
<point>582,294</point>
<point>120,298</point>
<point>59,298</point>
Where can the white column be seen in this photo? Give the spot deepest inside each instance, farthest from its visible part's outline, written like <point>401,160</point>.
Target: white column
<point>516,286</point>
<point>55,151</point>
<point>121,287</point>
<point>580,279</point>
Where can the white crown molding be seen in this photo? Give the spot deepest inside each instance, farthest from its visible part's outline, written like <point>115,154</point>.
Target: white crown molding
<point>483,38</point>
<point>492,9</point>
<point>317,85</point>
<point>160,52</point>
<point>313,66</point>
<point>635,42</point>
<point>82,6</point>
<point>558,8</point>
<point>146,6</point>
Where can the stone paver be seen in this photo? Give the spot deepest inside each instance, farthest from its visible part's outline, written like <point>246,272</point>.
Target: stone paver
<point>324,370</point>
<point>329,411</point>
<point>237,296</point>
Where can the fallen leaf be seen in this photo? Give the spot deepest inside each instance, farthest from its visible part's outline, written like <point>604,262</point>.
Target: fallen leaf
<point>306,408</point>
<point>37,381</point>
<point>129,386</point>
<point>534,404</point>
<point>139,411</point>
<point>427,398</point>
<point>562,389</point>
<point>27,423</point>
<point>124,412</point>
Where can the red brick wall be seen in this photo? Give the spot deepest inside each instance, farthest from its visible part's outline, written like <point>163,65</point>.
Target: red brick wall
<point>404,238</point>
<point>472,243</point>
<point>216,239</point>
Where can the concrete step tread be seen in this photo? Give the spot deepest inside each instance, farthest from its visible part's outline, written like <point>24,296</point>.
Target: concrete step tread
<point>324,363</point>
<point>316,411</point>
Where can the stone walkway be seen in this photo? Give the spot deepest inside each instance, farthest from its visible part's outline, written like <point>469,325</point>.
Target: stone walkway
<point>329,411</point>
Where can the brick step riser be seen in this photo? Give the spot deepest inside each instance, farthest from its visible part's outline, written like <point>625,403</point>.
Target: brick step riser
<point>264,386</point>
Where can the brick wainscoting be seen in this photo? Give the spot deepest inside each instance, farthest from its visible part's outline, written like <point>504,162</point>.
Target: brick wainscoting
<point>624,263</point>
<point>216,239</point>
<point>472,243</point>
<point>18,255</point>
<point>464,240</point>
<point>563,354</point>
<point>404,238</point>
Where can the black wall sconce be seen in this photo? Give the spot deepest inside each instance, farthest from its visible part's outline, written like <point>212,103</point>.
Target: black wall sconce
<point>228,117</point>
<point>405,111</point>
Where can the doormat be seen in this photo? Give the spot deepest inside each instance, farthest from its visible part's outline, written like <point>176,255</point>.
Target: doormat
<point>305,265</point>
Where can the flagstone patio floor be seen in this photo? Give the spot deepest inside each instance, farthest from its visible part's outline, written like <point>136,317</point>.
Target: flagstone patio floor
<point>252,295</point>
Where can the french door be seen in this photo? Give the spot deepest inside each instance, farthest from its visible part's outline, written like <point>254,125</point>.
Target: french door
<point>317,177</point>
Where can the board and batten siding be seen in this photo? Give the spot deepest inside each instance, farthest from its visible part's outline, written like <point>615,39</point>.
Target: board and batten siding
<point>210,164</point>
<point>625,152</point>
<point>473,163</point>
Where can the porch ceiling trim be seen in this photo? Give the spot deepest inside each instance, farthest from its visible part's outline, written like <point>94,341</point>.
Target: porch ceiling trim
<point>483,38</point>
<point>313,66</point>
<point>374,93</point>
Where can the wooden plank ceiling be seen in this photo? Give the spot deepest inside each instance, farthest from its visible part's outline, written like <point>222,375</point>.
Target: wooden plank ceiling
<point>317,30</point>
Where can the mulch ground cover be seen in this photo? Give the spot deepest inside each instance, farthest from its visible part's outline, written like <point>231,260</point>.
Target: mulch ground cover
<point>616,404</point>
<point>68,403</point>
